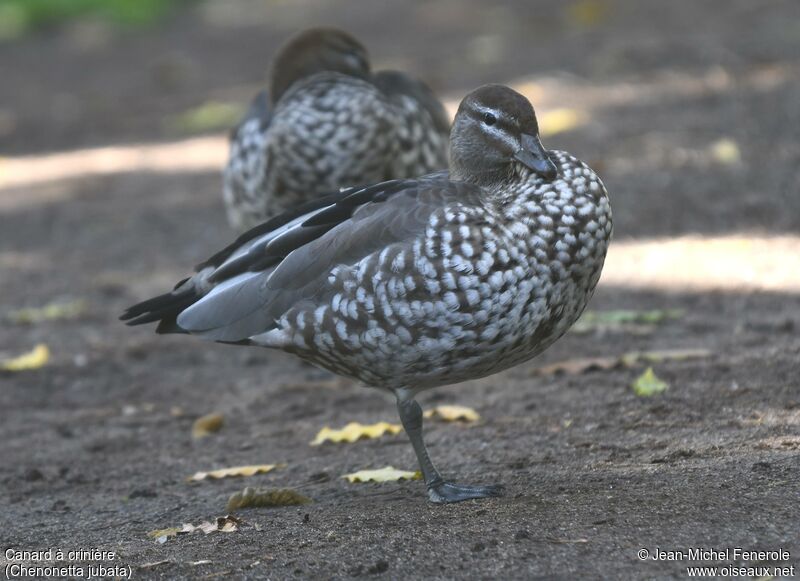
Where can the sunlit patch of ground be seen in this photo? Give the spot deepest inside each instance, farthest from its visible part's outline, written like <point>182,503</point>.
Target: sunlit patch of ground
<point>735,262</point>
<point>190,155</point>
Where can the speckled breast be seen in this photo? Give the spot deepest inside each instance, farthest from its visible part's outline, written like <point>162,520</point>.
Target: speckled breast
<point>484,289</point>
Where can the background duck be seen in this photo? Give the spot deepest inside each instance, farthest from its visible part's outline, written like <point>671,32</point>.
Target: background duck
<point>328,122</point>
<point>412,284</point>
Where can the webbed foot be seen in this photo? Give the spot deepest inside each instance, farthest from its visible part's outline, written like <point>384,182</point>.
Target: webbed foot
<point>447,492</point>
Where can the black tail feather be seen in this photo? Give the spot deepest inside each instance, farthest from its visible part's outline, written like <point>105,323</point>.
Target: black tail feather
<point>163,308</point>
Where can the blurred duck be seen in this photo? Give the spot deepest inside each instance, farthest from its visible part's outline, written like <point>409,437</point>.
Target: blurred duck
<point>327,123</point>
<point>412,284</point>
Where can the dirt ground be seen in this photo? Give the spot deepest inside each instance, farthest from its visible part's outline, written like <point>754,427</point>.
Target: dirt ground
<point>95,455</point>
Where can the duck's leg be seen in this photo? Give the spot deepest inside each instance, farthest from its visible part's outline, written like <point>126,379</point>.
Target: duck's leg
<point>439,491</point>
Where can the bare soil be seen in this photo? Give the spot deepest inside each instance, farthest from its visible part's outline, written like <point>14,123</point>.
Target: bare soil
<point>96,455</point>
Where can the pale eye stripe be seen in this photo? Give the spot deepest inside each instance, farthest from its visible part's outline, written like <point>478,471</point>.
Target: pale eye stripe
<point>502,136</point>
<point>484,110</point>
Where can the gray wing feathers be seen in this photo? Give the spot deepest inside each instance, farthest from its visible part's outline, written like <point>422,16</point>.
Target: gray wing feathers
<point>250,303</point>
<point>396,82</point>
<point>230,310</point>
<point>371,228</point>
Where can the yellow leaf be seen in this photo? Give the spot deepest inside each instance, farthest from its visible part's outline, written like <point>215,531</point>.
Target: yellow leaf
<point>207,424</point>
<point>725,151</point>
<point>170,532</point>
<point>235,471</point>
<point>52,311</point>
<point>561,120</point>
<point>388,474</point>
<point>648,384</point>
<point>228,527</point>
<point>257,498</point>
<point>453,413</point>
<point>355,431</point>
<point>34,359</point>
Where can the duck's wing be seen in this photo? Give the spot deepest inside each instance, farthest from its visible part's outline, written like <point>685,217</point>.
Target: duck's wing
<point>244,289</point>
<point>259,110</point>
<point>229,262</point>
<point>392,83</point>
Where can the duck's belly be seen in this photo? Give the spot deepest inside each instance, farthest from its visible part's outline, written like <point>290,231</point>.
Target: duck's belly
<point>425,344</point>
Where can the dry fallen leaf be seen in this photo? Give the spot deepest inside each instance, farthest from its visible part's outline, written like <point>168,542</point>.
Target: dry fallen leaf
<point>49,312</point>
<point>453,413</point>
<point>154,564</point>
<point>235,471</point>
<point>626,360</point>
<point>159,534</point>
<point>388,474</point>
<point>223,524</point>
<point>558,121</point>
<point>34,359</point>
<point>564,541</point>
<point>207,425</point>
<point>779,443</point>
<point>261,498</point>
<point>355,431</point>
<point>648,384</point>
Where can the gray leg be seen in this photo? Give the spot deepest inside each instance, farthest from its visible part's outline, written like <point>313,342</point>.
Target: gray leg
<point>439,491</point>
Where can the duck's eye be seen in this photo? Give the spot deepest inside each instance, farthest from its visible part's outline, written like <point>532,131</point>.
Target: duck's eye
<point>489,119</point>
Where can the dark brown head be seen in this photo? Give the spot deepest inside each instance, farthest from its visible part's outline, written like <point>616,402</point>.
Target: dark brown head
<point>494,129</point>
<point>314,51</point>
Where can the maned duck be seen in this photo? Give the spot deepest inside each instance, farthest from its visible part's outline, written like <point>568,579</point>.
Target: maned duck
<point>412,284</point>
<point>329,123</point>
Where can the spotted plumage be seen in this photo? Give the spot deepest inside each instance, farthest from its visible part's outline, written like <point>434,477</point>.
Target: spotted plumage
<point>328,122</point>
<point>411,284</point>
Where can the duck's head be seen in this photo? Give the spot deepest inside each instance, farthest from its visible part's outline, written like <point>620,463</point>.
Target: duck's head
<point>495,130</point>
<point>313,51</point>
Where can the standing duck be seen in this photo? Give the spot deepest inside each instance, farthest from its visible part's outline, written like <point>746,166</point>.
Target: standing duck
<point>328,122</point>
<point>411,284</point>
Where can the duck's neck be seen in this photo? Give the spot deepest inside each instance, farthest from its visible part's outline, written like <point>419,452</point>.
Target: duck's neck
<point>490,181</point>
<point>516,186</point>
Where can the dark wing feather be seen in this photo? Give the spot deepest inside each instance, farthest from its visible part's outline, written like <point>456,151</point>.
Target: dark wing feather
<point>251,303</point>
<point>271,225</point>
<point>322,214</point>
<point>394,82</point>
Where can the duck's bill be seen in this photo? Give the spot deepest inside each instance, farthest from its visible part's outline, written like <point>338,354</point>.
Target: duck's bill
<point>534,156</point>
